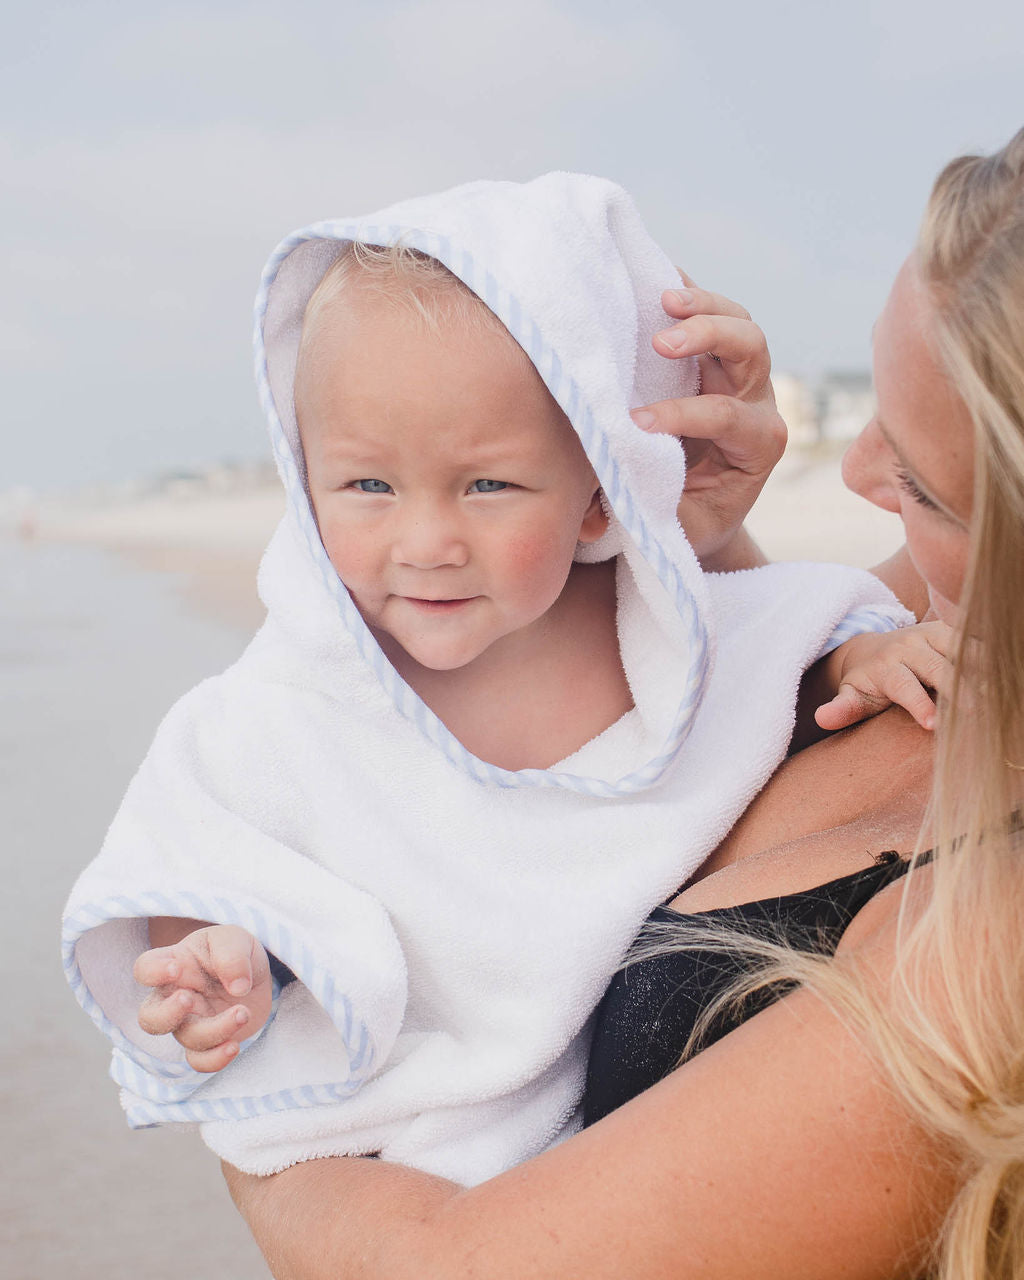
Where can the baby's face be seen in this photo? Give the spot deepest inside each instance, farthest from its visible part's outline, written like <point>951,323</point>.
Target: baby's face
<point>448,486</point>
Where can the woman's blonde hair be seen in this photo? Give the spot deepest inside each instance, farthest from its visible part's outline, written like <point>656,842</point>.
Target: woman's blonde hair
<point>949,1031</point>
<point>969,1081</point>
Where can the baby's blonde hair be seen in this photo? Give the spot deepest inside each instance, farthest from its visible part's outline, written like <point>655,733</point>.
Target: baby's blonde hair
<point>405,277</point>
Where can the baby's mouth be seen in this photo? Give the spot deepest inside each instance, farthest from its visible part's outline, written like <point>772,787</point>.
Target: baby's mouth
<point>439,606</point>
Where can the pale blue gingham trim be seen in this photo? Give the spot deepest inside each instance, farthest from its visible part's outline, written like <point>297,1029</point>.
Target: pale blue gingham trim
<point>163,1089</point>
<point>141,1114</point>
<point>507,307</point>
<point>856,623</point>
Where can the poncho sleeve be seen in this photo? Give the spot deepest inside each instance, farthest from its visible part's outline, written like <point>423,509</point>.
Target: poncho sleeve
<point>200,834</point>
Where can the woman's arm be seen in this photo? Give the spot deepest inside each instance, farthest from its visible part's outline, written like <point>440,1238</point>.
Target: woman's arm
<point>779,1151</point>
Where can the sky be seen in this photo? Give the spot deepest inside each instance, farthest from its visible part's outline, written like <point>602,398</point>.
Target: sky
<point>154,153</point>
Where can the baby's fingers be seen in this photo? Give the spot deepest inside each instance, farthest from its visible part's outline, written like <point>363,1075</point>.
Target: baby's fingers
<point>157,968</point>
<point>211,1043</point>
<point>216,1059</point>
<point>904,688</point>
<point>897,685</point>
<point>201,1035</point>
<point>849,706</point>
<point>933,664</point>
<point>231,950</point>
<point>161,1015</point>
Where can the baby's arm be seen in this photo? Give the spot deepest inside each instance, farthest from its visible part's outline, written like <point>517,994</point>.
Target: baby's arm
<point>211,988</point>
<point>871,672</point>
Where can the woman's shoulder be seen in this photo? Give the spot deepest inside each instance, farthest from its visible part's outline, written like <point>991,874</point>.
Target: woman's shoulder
<point>871,782</point>
<point>874,930</point>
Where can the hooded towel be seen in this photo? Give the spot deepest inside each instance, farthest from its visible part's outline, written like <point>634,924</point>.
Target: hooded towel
<point>451,924</point>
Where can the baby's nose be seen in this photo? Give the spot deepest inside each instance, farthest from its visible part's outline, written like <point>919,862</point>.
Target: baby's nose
<point>430,539</point>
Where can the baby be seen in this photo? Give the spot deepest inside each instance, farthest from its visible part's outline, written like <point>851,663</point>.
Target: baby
<point>481,734</point>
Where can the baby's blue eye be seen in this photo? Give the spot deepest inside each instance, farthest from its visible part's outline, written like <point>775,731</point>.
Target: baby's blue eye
<point>488,486</point>
<point>373,486</point>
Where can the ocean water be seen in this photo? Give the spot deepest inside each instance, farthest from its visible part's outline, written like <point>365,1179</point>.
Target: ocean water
<point>92,653</point>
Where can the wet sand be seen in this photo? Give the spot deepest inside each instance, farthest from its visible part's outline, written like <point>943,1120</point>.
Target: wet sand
<point>92,653</point>
<point>105,618</point>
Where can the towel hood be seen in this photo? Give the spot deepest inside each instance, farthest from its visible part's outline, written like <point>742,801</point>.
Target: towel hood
<point>567,266</point>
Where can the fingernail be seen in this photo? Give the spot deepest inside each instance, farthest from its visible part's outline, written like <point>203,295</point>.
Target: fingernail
<point>185,1000</point>
<point>674,339</point>
<point>644,419</point>
<point>239,987</point>
<point>231,1048</point>
<point>683,296</point>
<point>241,1017</point>
<point>172,969</point>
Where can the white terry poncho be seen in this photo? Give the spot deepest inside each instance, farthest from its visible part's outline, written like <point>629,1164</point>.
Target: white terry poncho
<point>451,924</point>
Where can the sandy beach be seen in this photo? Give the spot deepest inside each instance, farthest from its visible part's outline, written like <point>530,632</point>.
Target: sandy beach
<point>93,650</point>
<point>111,610</point>
<point>210,541</point>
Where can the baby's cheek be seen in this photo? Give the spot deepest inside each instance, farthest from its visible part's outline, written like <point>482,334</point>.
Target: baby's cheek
<point>540,557</point>
<point>351,565</point>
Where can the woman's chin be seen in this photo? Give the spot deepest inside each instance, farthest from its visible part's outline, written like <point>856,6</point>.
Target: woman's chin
<point>942,609</point>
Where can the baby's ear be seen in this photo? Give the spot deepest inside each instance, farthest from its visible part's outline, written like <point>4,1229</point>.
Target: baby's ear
<point>595,519</point>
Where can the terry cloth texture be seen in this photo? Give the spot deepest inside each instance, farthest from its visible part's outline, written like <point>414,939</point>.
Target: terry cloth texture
<point>452,924</point>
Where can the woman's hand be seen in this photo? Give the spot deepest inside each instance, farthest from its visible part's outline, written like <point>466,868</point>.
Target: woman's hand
<point>732,432</point>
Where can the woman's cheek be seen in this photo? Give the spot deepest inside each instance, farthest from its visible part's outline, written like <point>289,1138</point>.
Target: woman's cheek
<point>939,555</point>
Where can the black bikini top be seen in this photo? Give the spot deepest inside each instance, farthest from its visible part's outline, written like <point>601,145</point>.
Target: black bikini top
<point>652,1006</point>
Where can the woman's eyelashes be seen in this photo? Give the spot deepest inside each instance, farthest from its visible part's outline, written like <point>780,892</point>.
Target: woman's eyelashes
<point>910,486</point>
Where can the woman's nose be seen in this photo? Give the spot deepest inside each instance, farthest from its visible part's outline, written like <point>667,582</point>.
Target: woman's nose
<point>430,537</point>
<point>869,468</point>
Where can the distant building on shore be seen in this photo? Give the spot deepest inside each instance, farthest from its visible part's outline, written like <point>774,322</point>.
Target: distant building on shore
<point>798,407</point>
<point>834,409</point>
<point>846,403</point>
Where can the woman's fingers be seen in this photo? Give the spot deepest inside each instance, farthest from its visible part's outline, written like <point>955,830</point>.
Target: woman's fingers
<point>731,338</point>
<point>732,431</point>
<point>751,439</point>
<point>687,302</point>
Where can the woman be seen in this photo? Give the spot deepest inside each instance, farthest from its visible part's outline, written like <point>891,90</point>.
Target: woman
<point>872,1120</point>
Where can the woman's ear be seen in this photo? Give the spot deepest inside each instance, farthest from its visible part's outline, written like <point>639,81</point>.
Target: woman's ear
<point>595,519</point>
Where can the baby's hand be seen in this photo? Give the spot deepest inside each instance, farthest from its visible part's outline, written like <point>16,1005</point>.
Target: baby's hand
<point>210,991</point>
<point>875,671</point>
